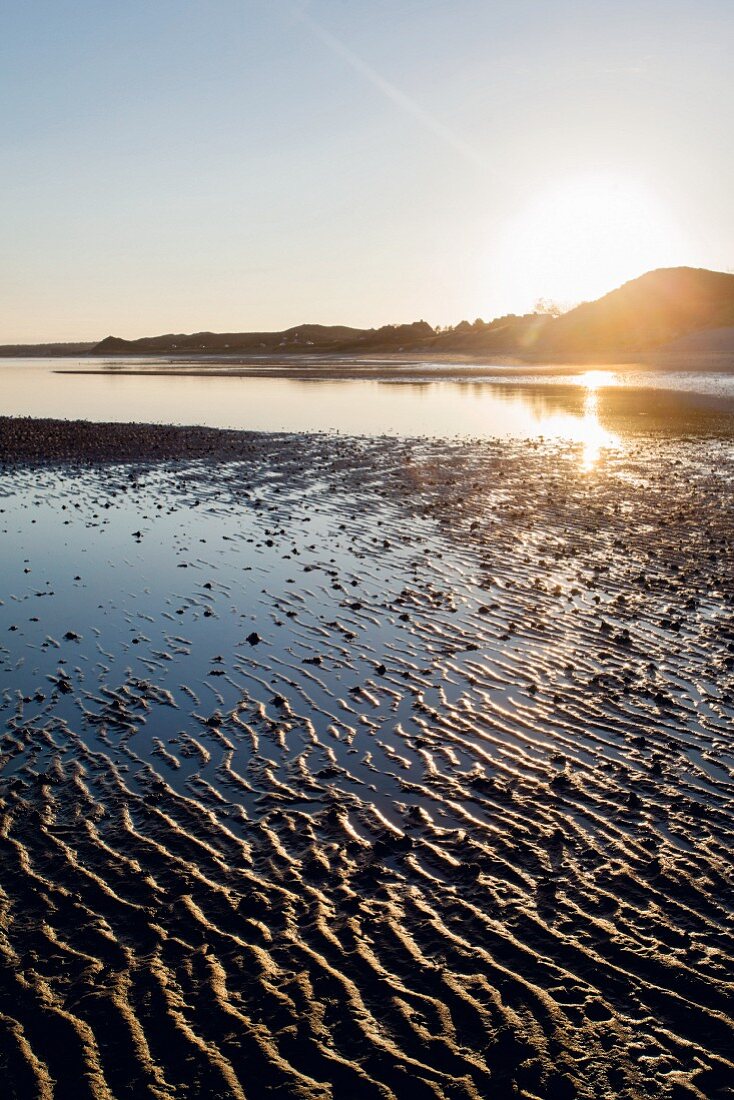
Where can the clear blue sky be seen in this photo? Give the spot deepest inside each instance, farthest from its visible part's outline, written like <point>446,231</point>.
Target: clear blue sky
<point>171,165</point>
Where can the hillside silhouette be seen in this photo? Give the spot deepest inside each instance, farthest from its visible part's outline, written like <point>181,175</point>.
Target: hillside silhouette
<point>647,313</point>
<point>300,339</point>
<point>680,308</point>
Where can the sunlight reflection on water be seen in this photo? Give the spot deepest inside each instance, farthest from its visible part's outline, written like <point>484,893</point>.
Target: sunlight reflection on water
<point>595,409</point>
<point>585,429</point>
<point>593,379</point>
<point>596,438</point>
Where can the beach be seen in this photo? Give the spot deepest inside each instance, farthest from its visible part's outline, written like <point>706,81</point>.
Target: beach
<point>364,767</point>
<point>367,551</point>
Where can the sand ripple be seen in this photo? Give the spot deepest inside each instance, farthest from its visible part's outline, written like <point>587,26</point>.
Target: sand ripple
<point>368,769</point>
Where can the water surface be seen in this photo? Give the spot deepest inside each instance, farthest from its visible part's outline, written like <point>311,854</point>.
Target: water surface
<point>598,408</point>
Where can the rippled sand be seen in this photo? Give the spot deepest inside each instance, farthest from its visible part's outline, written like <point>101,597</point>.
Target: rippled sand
<point>367,769</point>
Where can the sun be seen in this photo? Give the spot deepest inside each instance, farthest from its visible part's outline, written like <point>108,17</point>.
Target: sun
<point>580,237</point>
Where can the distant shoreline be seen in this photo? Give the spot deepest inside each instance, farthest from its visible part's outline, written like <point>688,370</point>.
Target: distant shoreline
<point>680,312</point>
<point>393,367</point>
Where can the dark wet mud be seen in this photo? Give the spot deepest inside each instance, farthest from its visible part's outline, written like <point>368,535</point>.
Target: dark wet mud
<point>366,769</point>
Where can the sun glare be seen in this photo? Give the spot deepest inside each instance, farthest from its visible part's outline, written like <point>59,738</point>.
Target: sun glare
<point>580,237</point>
<point>585,429</point>
<point>593,379</point>
<point>591,434</point>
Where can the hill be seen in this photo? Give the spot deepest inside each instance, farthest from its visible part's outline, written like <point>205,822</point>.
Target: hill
<point>646,313</point>
<point>677,310</point>
<point>660,310</point>
<point>301,339</point>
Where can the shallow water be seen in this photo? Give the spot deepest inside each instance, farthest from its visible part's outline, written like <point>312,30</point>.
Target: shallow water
<point>598,408</point>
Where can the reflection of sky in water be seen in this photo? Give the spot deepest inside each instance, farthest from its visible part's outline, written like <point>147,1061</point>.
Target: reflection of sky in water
<point>579,408</point>
<point>139,614</point>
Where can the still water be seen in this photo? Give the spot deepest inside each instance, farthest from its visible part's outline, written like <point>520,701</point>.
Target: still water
<point>596,408</point>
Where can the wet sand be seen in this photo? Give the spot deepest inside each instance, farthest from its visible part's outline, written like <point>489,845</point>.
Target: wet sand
<point>364,768</point>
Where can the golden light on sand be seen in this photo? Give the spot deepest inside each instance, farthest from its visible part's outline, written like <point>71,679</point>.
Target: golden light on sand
<point>580,236</point>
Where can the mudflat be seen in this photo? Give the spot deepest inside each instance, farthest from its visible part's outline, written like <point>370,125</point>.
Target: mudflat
<point>363,767</point>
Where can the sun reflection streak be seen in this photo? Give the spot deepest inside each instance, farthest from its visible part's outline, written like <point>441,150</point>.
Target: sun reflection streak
<point>594,437</point>
<point>585,429</point>
<point>592,432</point>
<point>593,379</point>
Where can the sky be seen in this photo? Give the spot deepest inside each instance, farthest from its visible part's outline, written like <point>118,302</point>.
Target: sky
<point>189,165</point>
